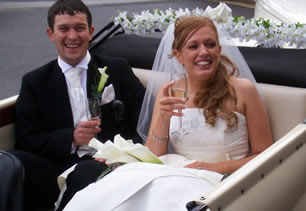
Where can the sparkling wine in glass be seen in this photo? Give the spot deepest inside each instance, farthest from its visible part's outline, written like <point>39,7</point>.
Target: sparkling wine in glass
<point>179,89</point>
<point>178,92</point>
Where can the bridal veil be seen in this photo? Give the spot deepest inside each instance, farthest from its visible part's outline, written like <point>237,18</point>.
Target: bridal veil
<point>164,66</point>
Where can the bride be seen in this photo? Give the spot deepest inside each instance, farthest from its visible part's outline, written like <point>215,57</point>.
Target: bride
<point>224,119</point>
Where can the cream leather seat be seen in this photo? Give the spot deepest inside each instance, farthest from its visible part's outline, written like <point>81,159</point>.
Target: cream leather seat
<point>274,180</point>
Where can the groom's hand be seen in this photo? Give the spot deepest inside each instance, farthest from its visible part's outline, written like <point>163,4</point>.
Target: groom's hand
<point>85,131</point>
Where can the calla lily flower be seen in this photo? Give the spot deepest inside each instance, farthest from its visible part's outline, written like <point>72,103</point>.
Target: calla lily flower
<point>103,78</point>
<point>123,151</point>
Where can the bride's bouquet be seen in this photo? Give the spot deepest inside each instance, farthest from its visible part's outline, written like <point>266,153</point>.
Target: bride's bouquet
<point>120,152</point>
<point>123,151</point>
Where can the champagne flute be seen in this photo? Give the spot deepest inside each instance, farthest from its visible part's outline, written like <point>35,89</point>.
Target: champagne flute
<point>93,112</point>
<point>179,89</point>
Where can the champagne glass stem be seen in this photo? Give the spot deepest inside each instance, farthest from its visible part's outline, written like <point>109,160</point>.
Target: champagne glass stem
<point>179,89</point>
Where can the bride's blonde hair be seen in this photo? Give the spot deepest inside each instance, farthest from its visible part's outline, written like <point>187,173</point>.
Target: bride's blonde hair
<point>212,97</point>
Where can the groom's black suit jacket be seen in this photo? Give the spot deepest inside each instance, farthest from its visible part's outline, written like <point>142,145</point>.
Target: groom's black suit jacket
<point>44,121</point>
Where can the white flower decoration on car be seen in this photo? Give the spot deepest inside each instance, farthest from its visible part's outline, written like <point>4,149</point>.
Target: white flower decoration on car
<point>265,32</point>
<point>221,13</point>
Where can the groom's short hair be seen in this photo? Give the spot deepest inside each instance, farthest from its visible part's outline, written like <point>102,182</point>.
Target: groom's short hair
<point>69,7</point>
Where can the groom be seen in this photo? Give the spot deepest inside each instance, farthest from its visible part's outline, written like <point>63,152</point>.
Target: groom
<point>52,131</point>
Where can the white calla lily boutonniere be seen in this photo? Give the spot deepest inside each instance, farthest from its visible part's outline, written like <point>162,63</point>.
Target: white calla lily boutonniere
<point>97,87</point>
<point>123,151</point>
<point>103,79</point>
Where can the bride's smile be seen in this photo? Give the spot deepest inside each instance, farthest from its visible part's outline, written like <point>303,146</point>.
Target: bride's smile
<point>200,54</point>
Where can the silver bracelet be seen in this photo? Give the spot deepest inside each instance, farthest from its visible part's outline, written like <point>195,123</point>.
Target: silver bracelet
<point>155,138</point>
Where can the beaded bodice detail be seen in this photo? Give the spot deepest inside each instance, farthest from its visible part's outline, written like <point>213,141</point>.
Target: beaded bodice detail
<point>206,143</point>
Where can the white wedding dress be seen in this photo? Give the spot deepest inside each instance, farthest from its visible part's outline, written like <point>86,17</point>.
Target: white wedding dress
<point>151,187</point>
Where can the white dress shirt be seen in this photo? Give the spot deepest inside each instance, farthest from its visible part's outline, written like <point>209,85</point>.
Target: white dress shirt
<point>75,106</point>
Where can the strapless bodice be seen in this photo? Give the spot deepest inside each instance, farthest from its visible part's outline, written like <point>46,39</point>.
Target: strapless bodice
<point>206,143</point>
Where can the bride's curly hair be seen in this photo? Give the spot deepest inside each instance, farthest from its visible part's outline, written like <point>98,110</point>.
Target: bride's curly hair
<point>214,96</point>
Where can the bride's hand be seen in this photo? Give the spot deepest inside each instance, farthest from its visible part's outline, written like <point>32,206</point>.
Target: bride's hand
<point>216,167</point>
<point>169,104</point>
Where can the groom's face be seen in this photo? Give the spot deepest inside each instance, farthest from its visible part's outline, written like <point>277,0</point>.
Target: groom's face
<point>71,35</point>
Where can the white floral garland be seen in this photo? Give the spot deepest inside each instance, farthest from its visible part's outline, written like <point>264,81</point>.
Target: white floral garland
<point>265,32</point>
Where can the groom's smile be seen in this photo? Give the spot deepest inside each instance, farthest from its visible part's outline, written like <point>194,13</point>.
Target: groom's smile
<point>71,35</point>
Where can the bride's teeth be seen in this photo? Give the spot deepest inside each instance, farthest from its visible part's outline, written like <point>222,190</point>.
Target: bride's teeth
<point>203,63</point>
